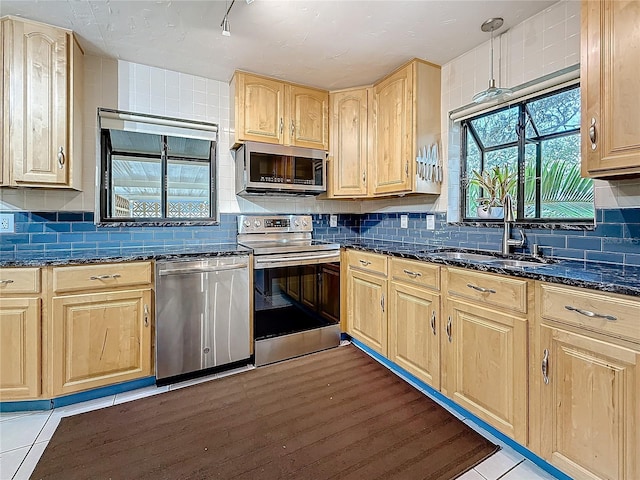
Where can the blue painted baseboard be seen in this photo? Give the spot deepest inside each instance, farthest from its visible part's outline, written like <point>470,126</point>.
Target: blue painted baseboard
<point>452,406</point>
<point>29,405</point>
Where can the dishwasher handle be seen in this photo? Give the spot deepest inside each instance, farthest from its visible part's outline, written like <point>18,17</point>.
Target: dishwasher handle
<point>218,268</point>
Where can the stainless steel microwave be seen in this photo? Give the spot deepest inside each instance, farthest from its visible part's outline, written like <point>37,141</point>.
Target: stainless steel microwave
<point>263,169</point>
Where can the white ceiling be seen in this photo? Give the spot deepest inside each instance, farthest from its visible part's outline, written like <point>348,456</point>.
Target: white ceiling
<point>329,44</point>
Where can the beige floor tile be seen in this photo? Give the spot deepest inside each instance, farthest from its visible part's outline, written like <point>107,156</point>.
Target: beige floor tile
<point>30,462</point>
<point>22,431</point>
<point>10,461</point>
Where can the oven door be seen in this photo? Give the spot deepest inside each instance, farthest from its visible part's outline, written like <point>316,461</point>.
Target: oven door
<point>296,310</point>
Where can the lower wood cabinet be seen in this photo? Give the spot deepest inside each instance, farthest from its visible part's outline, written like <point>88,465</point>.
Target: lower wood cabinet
<point>414,342</point>
<point>20,323</point>
<point>486,356</point>
<point>590,406</point>
<point>100,339</point>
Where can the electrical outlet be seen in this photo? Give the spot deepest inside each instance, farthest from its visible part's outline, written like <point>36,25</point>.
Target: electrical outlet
<point>333,220</point>
<point>6,223</point>
<point>404,221</point>
<point>431,222</point>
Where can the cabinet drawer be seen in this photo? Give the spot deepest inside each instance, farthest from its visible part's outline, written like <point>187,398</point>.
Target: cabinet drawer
<point>19,280</point>
<point>91,277</point>
<point>370,262</point>
<point>616,316</point>
<point>419,273</point>
<point>488,289</point>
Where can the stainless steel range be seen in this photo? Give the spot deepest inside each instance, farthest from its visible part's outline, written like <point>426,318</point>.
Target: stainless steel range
<point>296,286</point>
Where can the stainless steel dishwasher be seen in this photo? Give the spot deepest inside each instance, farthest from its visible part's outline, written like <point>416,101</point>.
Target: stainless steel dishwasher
<point>202,316</point>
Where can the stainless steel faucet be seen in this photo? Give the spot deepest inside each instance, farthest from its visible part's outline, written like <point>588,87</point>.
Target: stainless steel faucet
<point>509,219</point>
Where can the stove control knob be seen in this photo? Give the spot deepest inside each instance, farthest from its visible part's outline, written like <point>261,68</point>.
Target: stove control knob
<point>257,223</point>
<point>304,223</point>
<point>296,223</point>
<point>247,223</point>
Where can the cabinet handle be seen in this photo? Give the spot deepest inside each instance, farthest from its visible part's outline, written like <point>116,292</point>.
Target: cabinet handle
<point>293,128</point>
<point>5,282</point>
<point>593,134</point>
<point>146,315</point>
<point>587,313</point>
<point>412,274</point>
<point>433,322</point>
<point>364,177</point>
<point>382,302</point>
<point>105,277</point>
<point>545,366</point>
<point>406,169</point>
<point>448,329</point>
<point>281,125</point>
<point>481,289</point>
<point>365,263</point>
<point>61,158</point>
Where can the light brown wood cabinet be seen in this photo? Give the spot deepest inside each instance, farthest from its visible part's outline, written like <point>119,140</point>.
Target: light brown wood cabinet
<point>20,333</point>
<point>271,111</point>
<point>101,322</point>
<point>376,133</point>
<point>610,82</point>
<point>414,319</point>
<point>350,143</point>
<point>585,394</point>
<point>484,347</point>
<point>406,117</point>
<point>366,299</point>
<point>42,120</point>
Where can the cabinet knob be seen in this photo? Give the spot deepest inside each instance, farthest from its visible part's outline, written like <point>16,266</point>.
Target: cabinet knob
<point>61,159</point>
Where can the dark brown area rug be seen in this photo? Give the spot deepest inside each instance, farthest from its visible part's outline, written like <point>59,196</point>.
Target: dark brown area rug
<point>336,414</point>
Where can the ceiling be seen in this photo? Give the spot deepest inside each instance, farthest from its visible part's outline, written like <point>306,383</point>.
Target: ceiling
<point>328,44</point>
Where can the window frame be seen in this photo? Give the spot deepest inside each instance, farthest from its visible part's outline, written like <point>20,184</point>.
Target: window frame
<point>106,188</point>
<point>467,127</point>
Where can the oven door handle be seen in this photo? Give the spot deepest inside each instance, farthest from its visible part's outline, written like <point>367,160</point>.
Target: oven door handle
<point>294,258</point>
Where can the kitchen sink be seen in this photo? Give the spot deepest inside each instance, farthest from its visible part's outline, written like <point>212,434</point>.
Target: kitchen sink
<point>508,262</point>
<point>472,257</point>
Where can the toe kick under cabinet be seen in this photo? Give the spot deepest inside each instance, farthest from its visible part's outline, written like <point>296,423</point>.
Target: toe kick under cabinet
<point>101,325</point>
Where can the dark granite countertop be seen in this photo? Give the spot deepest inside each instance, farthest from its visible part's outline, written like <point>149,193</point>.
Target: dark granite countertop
<point>83,257</point>
<point>597,276</point>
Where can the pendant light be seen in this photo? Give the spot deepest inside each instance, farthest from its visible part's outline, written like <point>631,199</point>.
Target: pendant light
<point>493,92</point>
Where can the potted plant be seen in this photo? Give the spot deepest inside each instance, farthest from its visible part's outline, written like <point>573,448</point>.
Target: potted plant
<point>494,184</point>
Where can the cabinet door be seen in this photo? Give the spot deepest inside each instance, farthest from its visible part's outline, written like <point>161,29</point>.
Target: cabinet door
<point>590,406</point>
<point>39,83</point>
<point>308,124</point>
<point>487,366</point>
<point>100,339</point>
<point>19,348</point>
<point>259,109</point>
<point>393,133</point>
<point>610,85</point>
<point>367,309</point>
<point>349,143</point>
<point>414,314</point>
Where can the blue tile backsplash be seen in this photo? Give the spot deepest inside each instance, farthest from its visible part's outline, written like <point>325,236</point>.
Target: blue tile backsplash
<point>615,239</point>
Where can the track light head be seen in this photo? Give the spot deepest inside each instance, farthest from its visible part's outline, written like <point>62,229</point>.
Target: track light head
<point>226,30</point>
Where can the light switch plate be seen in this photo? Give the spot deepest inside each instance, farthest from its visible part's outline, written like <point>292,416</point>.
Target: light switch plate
<point>6,223</point>
<point>431,222</point>
<point>404,221</point>
<point>333,220</point>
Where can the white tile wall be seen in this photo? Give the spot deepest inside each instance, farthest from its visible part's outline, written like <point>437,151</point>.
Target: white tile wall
<point>544,43</point>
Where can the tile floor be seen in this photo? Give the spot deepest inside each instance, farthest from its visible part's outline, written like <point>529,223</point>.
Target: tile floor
<point>25,435</point>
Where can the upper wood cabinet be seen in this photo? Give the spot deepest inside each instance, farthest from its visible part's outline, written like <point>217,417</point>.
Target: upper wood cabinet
<point>376,133</point>
<point>406,117</point>
<point>610,82</point>
<point>350,143</point>
<point>42,105</point>
<point>271,111</point>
